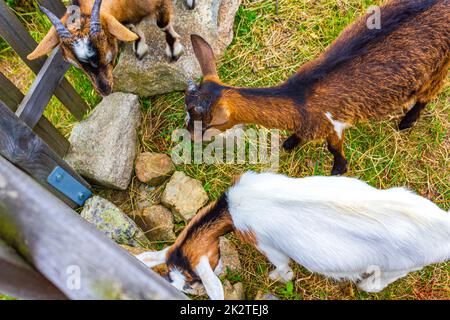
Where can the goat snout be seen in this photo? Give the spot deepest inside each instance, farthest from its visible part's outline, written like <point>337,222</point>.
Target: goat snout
<point>104,87</point>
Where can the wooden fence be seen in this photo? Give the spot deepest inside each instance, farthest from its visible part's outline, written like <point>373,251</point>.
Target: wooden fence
<point>29,108</point>
<point>47,251</point>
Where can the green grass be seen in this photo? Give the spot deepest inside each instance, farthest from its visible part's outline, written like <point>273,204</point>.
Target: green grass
<point>266,50</point>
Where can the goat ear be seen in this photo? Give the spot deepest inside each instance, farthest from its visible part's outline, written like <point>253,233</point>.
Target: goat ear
<point>153,258</point>
<point>205,55</point>
<point>210,281</point>
<point>50,41</point>
<point>118,30</point>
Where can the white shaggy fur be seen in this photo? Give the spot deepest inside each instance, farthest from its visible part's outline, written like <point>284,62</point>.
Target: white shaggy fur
<point>336,226</point>
<point>83,49</point>
<point>340,227</point>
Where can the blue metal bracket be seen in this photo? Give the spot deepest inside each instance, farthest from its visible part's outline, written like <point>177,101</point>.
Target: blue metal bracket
<point>62,181</point>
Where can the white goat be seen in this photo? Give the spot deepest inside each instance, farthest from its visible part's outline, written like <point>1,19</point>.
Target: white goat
<point>336,226</point>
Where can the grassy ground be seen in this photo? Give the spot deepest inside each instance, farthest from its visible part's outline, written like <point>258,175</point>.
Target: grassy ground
<point>266,50</point>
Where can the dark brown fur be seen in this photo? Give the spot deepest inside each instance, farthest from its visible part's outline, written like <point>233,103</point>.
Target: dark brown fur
<point>364,74</point>
<point>199,238</point>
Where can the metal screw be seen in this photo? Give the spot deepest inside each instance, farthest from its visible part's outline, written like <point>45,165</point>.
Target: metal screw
<point>59,177</point>
<point>81,196</point>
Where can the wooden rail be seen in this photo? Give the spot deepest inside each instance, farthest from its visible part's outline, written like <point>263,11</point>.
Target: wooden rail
<point>33,105</point>
<point>20,145</point>
<point>20,280</point>
<point>12,97</point>
<point>71,253</point>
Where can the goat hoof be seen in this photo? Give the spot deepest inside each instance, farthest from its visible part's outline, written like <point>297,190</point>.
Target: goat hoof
<point>403,125</point>
<point>175,54</point>
<point>141,49</point>
<point>190,4</point>
<point>139,56</point>
<point>290,143</point>
<point>281,275</point>
<point>174,58</point>
<point>339,170</point>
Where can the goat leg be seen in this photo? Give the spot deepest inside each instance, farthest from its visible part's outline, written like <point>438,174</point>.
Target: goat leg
<point>292,142</point>
<point>174,48</point>
<point>140,46</point>
<point>335,146</point>
<point>411,116</point>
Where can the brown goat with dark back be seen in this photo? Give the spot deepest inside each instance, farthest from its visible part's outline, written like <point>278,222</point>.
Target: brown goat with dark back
<point>89,32</point>
<point>365,74</point>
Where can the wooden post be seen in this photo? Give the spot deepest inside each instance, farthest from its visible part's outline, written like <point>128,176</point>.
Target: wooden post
<point>20,280</point>
<point>20,145</point>
<point>9,93</point>
<point>12,97</point>
<point>55,6</point>
<point>70,252</point>
<point>41,91</point>
<point>20,40</point>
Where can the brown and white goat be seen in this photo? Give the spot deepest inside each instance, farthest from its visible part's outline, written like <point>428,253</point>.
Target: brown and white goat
<point>337,226</point>
<point>88,34</point>
<point>365,74</point>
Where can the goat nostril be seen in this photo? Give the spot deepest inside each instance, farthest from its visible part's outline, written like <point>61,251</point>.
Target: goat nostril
<point>105,90</point>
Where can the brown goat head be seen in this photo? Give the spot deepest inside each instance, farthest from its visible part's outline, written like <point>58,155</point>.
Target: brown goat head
<point>88,42</point>
<point>208,103</point>
<point>194,258</point>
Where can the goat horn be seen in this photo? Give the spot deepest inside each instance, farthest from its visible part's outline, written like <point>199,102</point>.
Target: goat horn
<point>60,28</point>
<point>95,18</point>
<point>192,87</point>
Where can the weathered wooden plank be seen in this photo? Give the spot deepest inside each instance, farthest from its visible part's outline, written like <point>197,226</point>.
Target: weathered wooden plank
<point>20,145</point>
<point>41,91</point>
<point>20,280</point>
<point>55,140</point>
<point>20,40</point>
<point>9,93</point>
<point>55,6</point>
<point>66,249</point>
<point>12,97</point>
